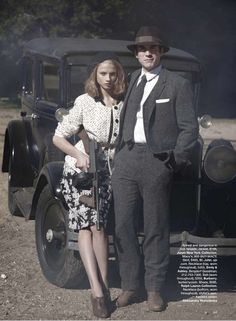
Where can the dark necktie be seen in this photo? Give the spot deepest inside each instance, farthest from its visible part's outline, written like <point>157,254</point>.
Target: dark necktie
<point>132,108</point>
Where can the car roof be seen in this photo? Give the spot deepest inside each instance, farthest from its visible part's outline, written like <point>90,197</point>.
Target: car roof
<point>60,47</point>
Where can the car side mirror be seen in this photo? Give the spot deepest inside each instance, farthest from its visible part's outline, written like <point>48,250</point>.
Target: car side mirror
<point>60,112</point>
<point>205,121</point>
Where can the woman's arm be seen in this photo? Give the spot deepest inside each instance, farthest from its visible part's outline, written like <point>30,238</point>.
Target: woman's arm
<point>64,145</point>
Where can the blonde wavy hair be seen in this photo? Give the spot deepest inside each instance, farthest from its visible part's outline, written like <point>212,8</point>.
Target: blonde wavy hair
<point>92,87</point>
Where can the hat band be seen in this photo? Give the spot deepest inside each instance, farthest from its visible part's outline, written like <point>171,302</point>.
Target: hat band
<point>144,39</point>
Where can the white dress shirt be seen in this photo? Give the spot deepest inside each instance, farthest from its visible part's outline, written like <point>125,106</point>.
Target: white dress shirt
<point>152,78</point>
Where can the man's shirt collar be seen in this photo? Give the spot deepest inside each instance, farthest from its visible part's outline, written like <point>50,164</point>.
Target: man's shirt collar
<point>152,73</point>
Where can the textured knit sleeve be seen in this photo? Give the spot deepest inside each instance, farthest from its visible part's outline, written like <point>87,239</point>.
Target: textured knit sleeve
<point>71,122</point>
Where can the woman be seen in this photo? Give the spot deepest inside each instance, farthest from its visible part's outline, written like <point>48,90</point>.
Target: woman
<point>98,111</point>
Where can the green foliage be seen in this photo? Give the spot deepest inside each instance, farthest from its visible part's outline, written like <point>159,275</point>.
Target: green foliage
<point>27,19</point>
<point>23,20</point>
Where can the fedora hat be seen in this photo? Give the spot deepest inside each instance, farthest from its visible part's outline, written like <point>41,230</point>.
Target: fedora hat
<point>150,35</point>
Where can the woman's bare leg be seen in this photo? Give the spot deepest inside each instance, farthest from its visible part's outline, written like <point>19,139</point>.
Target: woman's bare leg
<point>100,247</point>
<point>85,242</point>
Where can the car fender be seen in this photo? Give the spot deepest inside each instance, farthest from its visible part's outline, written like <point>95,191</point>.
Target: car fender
<point>50,175</point>
<point>21,155</point>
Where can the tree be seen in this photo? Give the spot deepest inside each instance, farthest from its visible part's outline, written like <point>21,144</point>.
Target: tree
<point>23,20</point>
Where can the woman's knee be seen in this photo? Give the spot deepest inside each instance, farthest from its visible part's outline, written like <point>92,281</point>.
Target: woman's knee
<point>98,233</point>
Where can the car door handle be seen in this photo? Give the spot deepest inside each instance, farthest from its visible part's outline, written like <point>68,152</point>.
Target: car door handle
<point>32,116</point>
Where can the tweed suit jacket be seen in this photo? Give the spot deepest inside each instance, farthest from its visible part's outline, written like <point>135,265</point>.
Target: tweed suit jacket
<point>170,122</point>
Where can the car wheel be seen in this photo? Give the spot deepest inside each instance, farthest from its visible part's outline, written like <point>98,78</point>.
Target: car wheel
<point>60,266</point>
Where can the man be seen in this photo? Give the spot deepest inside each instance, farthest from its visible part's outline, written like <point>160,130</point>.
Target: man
<point>158,130</point>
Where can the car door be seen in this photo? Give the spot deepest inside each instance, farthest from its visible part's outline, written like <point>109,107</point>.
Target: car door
<point>40,99</point>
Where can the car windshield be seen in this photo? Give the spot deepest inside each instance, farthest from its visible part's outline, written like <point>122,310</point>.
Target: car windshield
<point>78,73</point>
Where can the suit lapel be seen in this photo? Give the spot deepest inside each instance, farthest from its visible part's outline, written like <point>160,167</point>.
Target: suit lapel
<point>134,78</point>
<point>156,92</point>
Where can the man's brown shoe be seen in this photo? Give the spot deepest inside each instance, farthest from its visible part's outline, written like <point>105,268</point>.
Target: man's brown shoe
<point>155,302</point>
<point>126,298</point>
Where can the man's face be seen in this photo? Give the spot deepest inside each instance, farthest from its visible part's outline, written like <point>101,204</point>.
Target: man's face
<point>149,56</point>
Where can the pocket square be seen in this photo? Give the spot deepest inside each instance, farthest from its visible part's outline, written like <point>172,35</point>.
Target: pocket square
<point>163,100</point>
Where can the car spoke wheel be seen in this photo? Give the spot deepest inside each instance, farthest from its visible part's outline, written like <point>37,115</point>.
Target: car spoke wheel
<point>60,266</point>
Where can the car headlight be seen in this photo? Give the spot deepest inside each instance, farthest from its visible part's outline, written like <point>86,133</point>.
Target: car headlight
<point>220,161</point>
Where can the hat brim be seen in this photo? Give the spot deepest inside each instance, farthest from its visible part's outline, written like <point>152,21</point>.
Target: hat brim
<point>133,46</point>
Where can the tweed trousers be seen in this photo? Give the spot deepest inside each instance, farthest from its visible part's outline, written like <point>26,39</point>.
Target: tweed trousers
<point>138,174</point>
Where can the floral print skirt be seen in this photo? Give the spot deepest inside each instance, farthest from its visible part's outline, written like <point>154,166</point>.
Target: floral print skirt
<point>81,215</point>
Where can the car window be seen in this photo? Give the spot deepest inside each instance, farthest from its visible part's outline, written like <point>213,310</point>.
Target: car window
<point>51,82</point>
<point>28,82</point>
<point>77,78</point>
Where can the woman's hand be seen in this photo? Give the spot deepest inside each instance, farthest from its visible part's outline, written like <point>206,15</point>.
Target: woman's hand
<point>82,161</point>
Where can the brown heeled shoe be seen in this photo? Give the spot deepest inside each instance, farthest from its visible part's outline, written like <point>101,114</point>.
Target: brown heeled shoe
<point>99,306</point>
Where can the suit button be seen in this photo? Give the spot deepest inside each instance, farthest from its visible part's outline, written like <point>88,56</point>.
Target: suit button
<point>117,121</point>
<point>115,107</point>
<point>115,134</point>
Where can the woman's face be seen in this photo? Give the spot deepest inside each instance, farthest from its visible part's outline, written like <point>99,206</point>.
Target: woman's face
<point>106,75</point>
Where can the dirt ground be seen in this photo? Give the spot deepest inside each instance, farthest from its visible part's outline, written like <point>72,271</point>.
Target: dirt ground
<point>26,295</point>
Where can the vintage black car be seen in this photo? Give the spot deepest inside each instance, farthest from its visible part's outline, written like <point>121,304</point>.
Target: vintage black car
<point>54,71</point>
